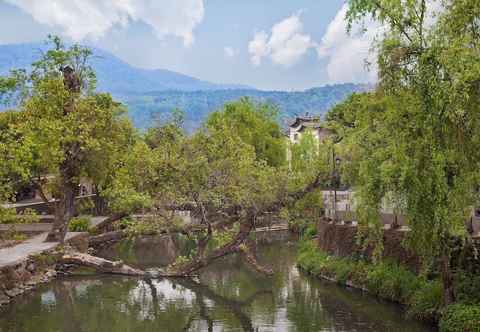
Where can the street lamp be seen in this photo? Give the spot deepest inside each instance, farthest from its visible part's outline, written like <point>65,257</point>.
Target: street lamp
<point>335,182</point>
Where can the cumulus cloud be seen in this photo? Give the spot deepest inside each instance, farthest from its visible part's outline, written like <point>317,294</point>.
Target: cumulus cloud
<point>81,19</point>
<point>285,45</point>
<point>347,54</point>
<point>229,52</point>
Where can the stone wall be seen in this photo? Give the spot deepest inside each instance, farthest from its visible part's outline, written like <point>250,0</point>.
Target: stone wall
<point>341,240</point>
<point>27,275</point>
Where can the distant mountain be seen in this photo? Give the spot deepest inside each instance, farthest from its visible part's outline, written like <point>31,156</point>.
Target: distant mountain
<point>145,108</point>
<point>114,75</point>
<point>152,94</point>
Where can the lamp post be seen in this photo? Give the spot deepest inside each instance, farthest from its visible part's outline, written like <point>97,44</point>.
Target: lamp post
<point>335,182</point>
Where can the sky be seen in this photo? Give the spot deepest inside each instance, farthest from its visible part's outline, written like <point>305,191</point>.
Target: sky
<point>266,44</point>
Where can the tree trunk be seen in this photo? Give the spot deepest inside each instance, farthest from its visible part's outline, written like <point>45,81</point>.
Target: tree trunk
<point>447,280</point>
<point>102,265</point>
<point>64,211</point>
<point>69,169</point>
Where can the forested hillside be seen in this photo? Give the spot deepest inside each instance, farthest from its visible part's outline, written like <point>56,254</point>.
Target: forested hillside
<point>144,109</point>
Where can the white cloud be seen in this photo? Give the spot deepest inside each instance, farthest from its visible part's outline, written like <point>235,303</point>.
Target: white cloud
<point>347,53</point>
<point>82,19</point>
<point>286,44</point>
<point>229,52</point>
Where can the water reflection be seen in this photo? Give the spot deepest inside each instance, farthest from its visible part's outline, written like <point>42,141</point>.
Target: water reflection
<point>228,297</point>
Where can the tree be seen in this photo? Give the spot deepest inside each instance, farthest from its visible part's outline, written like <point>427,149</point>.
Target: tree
<point>419,138</point>
<point>256,125</point>
<point>219,176</point>
<point>66,130</point>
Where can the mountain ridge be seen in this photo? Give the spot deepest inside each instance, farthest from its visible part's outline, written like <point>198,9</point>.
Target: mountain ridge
<point>114,74</point>
<point>151,94</point>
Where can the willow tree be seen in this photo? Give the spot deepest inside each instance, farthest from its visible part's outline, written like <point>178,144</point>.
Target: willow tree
<point>427,130</point>
<point>64,128</point>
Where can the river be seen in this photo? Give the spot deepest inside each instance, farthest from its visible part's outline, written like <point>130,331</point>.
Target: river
<point>228,297</point>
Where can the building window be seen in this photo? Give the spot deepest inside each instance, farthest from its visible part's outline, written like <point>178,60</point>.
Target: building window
<point>295,137</point>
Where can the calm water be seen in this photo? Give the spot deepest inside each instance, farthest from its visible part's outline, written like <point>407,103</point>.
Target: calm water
<point>229,298</point>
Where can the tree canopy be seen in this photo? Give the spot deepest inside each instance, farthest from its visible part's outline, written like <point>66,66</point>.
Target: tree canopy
<point>414,140</point>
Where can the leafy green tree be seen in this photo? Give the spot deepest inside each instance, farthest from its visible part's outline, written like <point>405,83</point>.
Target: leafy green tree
<point>65,129</point>
<point>418,138</point>
<point>256,124</point>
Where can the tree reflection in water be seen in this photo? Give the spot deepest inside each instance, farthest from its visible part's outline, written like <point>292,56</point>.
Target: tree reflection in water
<point>227,297</point>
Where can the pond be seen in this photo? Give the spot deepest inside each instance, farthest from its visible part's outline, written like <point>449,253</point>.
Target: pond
<point>228,297</point>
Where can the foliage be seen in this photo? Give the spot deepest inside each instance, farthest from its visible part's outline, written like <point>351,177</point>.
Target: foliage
<point>467,287</point>
<point>426,302</point>
<point>461,318</point>
<point>9,216</point>
<point>256,125</point>
<point>387,279</point>
<point>79,224</point>
<point>413,142</point>
<point>63,128</point>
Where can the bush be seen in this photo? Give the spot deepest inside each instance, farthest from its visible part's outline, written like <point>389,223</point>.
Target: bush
<point>427,301</point>
<point>9,216</point>
<point>79,224</point>
<point>392,281</point>
<point>461,318</point>
<point>467,288</point>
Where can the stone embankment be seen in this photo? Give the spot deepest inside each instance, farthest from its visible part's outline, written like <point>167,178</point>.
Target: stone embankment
<point>25,266</point>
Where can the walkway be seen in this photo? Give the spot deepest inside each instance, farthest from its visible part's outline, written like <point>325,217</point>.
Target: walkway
<point>33,246</point>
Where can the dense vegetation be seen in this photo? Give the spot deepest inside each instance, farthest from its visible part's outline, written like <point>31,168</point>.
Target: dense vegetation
<point>413,142</point>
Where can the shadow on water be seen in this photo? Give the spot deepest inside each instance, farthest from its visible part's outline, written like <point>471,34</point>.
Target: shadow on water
<point>228,297</point>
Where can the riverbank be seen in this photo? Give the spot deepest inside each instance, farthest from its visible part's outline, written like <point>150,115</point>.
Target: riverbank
<point>391,281</point>
<point>228,295</point>
<point>33,262</point>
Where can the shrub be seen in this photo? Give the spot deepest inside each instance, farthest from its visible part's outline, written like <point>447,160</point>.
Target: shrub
<point>427,301</point>
<point>461,318</point>
<point>392,281</point>
<point>467,288</point>
<point>9,216</point>
<point>79,224</point>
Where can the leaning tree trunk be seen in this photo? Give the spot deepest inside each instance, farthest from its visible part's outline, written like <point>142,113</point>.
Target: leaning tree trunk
<point>64,212</point>
<point>69,169</point>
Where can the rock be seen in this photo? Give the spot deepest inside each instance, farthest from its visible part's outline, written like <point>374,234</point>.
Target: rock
<point>51,274</point>
<point>31,267</point>
<point>35,280</point>
<point>4,299</point>
<point>14,292</point>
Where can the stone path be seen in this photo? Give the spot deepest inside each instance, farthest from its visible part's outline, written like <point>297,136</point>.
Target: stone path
<point>33,246</point>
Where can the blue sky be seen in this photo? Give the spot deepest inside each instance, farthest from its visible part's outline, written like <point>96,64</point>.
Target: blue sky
<point>268,44</point>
